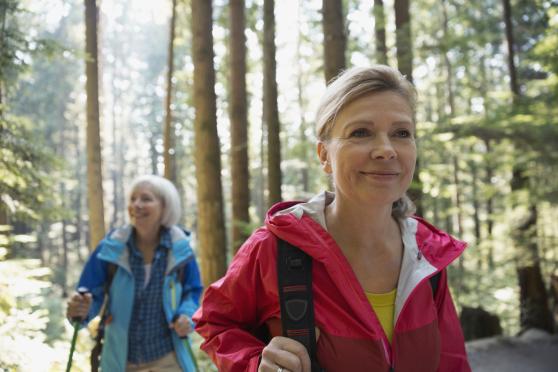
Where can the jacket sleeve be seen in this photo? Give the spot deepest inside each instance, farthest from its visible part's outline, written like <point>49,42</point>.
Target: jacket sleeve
<point>191,289</point>
<point>238,304</point>
<point>93,278</point>
<point>453,356</point>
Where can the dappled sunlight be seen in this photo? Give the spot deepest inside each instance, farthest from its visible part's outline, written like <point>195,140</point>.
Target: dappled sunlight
<point>24,322</point>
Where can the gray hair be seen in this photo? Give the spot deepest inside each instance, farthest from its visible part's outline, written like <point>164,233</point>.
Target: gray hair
<point>166,192</point>
<point>352,84</point>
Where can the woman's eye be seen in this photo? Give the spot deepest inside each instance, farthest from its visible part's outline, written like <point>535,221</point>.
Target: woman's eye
<point>404,133</point>
<point>361,132</point>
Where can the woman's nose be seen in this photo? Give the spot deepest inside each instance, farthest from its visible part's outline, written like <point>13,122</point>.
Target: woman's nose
<point>382,148</point>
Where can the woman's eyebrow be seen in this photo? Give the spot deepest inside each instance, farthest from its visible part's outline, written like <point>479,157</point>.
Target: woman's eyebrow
<point>371,123</point>
<point>358,122</point>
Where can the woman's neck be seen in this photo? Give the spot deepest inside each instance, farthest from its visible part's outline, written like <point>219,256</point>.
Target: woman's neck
<point>357,227</point>
<point>146,242</point>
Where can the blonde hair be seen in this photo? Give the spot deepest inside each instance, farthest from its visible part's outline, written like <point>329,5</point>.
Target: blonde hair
<point>166,192</point>
<point>352,84</point>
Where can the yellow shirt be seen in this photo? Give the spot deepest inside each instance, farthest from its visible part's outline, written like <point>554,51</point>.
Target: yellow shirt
<point>384,306</point>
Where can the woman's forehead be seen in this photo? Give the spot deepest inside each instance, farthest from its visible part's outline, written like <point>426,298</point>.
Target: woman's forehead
<point>367,108</point>
<point>143,187</point>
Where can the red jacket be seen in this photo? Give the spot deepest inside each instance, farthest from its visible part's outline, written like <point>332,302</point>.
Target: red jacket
<point>427,335</point>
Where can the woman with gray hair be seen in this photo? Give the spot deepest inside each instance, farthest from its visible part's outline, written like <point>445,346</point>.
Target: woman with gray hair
<point>147,274</point>
<point>375,305</point>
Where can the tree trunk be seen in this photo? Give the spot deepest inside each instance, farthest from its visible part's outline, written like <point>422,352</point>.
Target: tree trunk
<point>488,167</point>
<point>489,203</point>
<point>65,263</point>
<point>415,190</point>
<point>116,180</point>
<point>239,126</point>
<point>447,63</point>
<point>304,157</point>
<point>403,38</point>
<point>77,202</point>
<point>459,217</point>
<point>335,41</point>
<point>153,154</point>
<point>94,168</point>
<point>168,130</point>
<point>534,308</point>
<point>514,86</point>
<point>476,209</point>
<point>211,235</point>
<point>270,110</point>
<point>405,64</point>
<point>380,32</point>
<point>4,11</point>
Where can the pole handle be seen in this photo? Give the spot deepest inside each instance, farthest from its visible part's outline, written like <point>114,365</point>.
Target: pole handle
<point>78,319</point>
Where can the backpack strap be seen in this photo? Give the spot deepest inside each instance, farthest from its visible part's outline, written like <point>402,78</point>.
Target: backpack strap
<point>434,281</point>
<point>294,276</point>
<point>95,356</point>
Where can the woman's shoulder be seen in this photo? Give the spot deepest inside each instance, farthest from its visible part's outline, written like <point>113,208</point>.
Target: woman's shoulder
<point>433,242</point>
<point>260,246</point>
<point>177,233</point>
<point>424,229</point>
<point>119,234</point>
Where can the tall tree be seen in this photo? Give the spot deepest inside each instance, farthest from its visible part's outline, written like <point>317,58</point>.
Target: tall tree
<point>238,111</point>
<point>404,47</point>
<point>403,38</point>
<point>304,149</point>
<point>514,86</point>
<point>534,309</point>
<point>380,31</point>
<point>211,224</point>
<point>447,63</point>
<point>168,132</point>
<point>270,110</point>
<point>335,40</point>
<point>94,168</point>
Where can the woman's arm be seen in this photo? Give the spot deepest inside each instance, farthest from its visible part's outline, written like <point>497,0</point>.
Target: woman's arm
<point>93,278</point>
<point>191,289</point>
<point>238,304</point>
<point>453,356</point>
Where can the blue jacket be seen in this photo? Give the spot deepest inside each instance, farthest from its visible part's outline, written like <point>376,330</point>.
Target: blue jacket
<point>178,297</point>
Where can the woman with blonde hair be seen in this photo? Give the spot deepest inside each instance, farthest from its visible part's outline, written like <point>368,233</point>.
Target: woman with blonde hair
<point>375,308</point>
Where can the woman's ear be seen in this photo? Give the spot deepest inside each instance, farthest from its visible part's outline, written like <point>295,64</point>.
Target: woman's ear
<point>323,155</point>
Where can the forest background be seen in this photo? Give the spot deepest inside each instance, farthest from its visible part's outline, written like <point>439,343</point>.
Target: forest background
<point>219,96</point>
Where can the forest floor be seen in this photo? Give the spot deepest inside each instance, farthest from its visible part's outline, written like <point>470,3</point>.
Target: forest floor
<point>533,351</point>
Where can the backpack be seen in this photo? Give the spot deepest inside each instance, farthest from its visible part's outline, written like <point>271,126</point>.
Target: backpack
<point>294,278</point>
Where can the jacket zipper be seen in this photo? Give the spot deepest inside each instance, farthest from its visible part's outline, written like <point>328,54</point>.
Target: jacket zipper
<point>419,257</point>
<point>388,355</point>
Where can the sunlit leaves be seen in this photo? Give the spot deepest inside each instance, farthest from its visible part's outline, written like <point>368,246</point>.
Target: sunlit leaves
<point>25,182</point>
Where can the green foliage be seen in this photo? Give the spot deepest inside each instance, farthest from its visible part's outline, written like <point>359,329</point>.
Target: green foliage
<point>546,50</point>
<point>17,47</point>
<point>26,184</point>
<point>31,320</point>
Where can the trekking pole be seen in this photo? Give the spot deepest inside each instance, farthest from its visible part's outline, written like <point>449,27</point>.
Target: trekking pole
<point>76,322</point>
<point>186,343</point>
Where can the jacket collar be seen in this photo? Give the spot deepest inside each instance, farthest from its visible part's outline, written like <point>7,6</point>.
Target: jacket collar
<point>303,225</point>
<point>114,247</point>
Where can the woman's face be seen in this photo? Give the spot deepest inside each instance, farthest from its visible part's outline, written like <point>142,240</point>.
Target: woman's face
<point>145,208</point>
<point>371,153</point>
